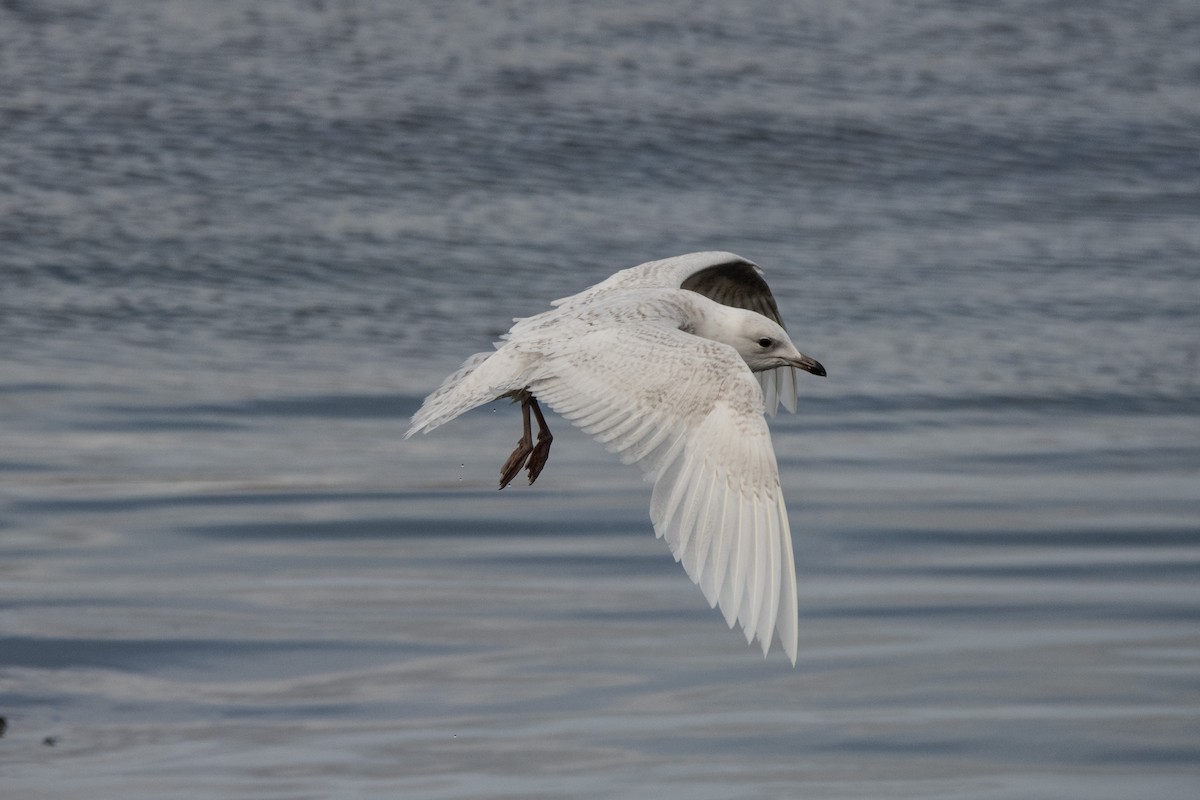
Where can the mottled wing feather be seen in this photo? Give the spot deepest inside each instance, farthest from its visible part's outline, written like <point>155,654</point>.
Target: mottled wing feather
<point>692,419</point>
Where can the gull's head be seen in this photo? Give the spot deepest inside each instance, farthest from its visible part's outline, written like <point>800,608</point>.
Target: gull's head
<point>763,344</point>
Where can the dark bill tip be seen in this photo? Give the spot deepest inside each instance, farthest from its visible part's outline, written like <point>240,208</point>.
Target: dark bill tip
<point>810,365</point>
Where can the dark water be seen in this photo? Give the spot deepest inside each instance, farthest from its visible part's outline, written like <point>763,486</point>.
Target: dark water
<point>240,241</point>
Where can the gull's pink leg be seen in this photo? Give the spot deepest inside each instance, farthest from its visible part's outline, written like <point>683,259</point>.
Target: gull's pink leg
<point>541,451</point>
<point>524,446</point>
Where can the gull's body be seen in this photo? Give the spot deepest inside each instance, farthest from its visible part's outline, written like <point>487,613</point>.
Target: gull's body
<point>665,377</point>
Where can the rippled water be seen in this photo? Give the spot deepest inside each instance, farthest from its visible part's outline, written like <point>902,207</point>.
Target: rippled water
<point>242,240</point>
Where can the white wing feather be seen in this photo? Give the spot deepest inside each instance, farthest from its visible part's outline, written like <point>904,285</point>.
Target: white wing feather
<point>692,419</point>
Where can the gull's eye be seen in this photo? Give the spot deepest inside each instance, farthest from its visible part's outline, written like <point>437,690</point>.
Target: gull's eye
<point>765,342</point>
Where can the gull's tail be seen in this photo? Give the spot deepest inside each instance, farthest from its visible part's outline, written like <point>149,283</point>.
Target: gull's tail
<point>482,377</point>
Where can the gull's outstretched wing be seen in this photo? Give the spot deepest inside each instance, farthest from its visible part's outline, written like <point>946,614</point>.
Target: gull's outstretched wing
<point>726,278</point>
<point>689,413</point>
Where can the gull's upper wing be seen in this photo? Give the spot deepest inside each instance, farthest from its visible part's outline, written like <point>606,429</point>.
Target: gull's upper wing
<point>689,413</point>
<point>726,278</point>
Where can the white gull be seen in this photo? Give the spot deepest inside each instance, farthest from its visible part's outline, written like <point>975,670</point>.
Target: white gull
<point>658,362</point>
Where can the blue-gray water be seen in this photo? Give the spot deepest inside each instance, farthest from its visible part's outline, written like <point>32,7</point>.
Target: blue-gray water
<point>241,240</point>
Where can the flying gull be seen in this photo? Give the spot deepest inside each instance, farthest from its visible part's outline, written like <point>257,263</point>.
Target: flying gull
<point>659,362</point>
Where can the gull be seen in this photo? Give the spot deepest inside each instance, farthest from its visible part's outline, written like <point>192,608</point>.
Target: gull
<point>672,365</point>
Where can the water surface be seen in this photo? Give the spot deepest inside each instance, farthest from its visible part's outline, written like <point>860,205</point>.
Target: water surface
<point>241,242</point>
